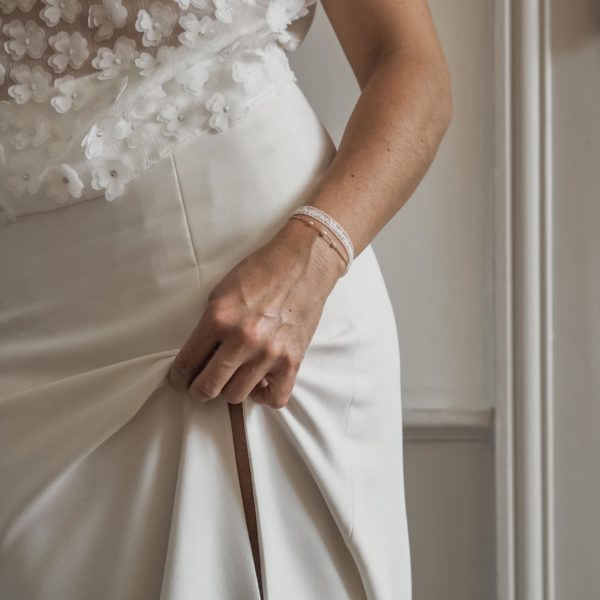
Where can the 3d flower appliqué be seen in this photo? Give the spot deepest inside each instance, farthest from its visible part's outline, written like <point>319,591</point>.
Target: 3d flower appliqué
<point>224,111</point>
<point>8,6</point>
<point>22,175</point>
<point>180,117</point>
<point>107,17</point>
<point>30,130</point>
<point>70,51</point>
<point>149,64</point>
<point>112,177</point>
<point>196,30</point>
<point>113,62</point>
<point>28,38</point>
<point>100,135</point>
<point>31,84</point>
<point>156,22</point>
<point>192,80</point>
<point>55,10</point>
<point>72,94</point>
<point>62,182</point>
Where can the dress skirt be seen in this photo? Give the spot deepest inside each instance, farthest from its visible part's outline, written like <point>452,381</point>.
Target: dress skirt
<point>116,486</point>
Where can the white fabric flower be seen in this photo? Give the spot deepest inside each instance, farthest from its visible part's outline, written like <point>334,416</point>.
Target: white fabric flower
<point>180,117</point>
<point>226,10</point>
<point>149,64</point>
<point>192,80</point>
<point>55,10</point>
<point>111,176</point>
<point>280,13</point>
<point>72,94</point>
<point>185,4</point>
<point>224,111</point>
<point>276,61</point>
<point>31,84</point>
<point>113,62</point>
<point>100,135</point>
<point>22,175</point>
<point>8,6</point>
<point>107,17</point>
<point>28,38</point>
<point>63,182</point>
<point>196,30</point>
<point>70,51</point>
<point>31,130</point>
<point>130,130</point>
<point>248,74</point>
<point>156,23</point>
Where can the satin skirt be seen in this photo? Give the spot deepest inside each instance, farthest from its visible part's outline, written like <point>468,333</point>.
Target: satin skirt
<point>113,484</point>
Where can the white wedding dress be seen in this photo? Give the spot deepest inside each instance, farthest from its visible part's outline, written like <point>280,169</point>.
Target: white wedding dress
<point>145,148</point>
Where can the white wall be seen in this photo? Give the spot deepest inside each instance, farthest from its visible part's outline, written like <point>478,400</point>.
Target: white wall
<point>576,207</point>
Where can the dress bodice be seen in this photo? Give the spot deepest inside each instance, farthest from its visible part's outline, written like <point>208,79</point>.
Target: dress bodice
<point>92,92</point>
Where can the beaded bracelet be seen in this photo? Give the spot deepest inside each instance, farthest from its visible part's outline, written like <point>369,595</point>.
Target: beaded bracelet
<point>323,234</point>
<point>333,225</point>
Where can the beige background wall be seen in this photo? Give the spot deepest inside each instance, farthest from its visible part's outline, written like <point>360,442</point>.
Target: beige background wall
<point>576,222</point>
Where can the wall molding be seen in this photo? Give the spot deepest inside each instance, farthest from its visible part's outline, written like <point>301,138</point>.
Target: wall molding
<point>524,428</point>
<point>446,424</point>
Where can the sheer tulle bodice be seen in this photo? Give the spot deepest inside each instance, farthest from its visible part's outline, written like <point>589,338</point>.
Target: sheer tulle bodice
<point>95,91</point>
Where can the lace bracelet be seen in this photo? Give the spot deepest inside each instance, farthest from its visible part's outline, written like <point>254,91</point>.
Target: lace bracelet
<point>333,225</point>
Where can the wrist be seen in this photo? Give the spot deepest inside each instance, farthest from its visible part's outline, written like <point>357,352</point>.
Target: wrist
<point>311,249</point>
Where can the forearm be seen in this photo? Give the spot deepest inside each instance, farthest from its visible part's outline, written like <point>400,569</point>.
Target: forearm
<point>389,142</point>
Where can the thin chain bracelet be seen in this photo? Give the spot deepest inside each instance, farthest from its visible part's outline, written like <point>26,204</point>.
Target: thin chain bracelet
<point>325,236</point>
<point>333,225</point>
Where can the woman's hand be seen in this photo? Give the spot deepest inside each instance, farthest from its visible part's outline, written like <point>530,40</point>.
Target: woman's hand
<point>259,321</point>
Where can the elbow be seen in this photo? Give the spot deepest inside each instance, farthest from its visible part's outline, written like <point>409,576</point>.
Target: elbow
<point>437,106</point>
<point>442,104</point>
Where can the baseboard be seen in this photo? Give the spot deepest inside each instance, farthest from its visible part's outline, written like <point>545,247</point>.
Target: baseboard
<point>422,424</point>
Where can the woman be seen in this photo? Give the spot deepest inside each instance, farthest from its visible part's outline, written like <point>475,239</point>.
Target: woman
<point>199,375</point>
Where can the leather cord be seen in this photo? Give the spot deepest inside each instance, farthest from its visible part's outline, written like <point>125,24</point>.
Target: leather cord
<point>240,444</point>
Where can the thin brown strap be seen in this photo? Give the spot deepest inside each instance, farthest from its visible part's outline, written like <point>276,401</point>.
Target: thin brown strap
<point>240,444</point>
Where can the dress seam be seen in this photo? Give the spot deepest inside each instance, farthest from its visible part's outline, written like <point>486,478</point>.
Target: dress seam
<point>186,217</point>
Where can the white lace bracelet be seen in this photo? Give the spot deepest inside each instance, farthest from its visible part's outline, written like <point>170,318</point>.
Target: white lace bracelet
<point>333,225</point>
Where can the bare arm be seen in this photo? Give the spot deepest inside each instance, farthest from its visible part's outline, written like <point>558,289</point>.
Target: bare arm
<point>262,315</point>
<point>400,118</point>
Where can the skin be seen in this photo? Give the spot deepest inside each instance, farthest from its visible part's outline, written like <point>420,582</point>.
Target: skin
<point>261,316</point>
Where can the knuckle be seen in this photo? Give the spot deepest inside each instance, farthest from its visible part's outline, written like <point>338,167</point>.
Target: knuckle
<point>248,336</point>
<point>219,320</point>
<point>217,314</point>
<point>272,349</point>
<point>183,364</point>
<point>291,361</point>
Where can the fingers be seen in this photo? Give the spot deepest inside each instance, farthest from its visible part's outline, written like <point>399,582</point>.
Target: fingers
<point>234,360</point>
<point>227,359</point>
<point>279,390</point>
<point>250,376</point>
<point>194,354</point>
